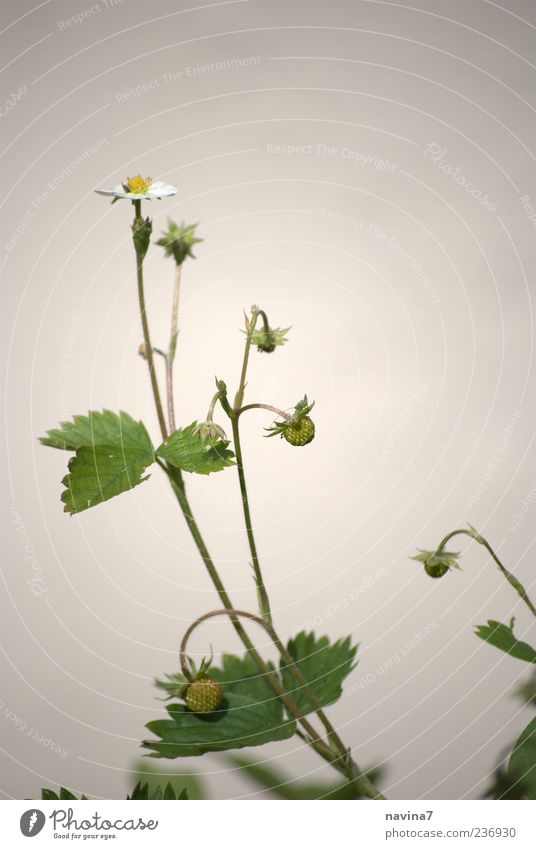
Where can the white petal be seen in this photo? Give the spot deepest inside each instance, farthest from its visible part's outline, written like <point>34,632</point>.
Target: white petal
<point>164,192</point>
<point>117,190</point>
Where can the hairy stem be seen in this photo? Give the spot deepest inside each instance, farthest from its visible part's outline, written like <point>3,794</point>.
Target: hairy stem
<point>170,358</point>
<point>340,759</point>
<point>250,327</point>
<point>264,602</point>
<point>512,580</point>
<point>146,335</point>
<point>276,410</point>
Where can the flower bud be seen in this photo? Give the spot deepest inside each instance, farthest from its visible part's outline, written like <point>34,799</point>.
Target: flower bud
<point>141,235</point>
<point>178,241</point>
<point>209,432</point>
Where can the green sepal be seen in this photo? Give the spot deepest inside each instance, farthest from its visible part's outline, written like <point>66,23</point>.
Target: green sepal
<point>437,563</point>
<point>267,340</point>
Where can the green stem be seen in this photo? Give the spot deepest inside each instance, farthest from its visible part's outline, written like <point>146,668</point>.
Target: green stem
<point>341,760</point>
<point>146,335</point>
<point>177,484</point>
<point>512,580</point>
<point>170,358</point>
<point>250,325</point>
<point>264,601</point>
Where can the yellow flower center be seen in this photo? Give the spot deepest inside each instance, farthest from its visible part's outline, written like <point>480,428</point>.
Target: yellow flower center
<point>137,185</point>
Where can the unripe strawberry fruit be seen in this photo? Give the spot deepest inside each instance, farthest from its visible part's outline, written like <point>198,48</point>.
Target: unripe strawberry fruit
<point>301,432</point>
<point>203,695</point>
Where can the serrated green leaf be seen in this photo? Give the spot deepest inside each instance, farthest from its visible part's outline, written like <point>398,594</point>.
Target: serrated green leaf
<point>522,763</point>
<point>502,637</point>
<point>112,453</point>
<point>152,791</point>
<point>188,451</point>
<point>98,474</point>
<point>323,664</point>
<point>106,428</point>
<point>49,795</point>
<point>249,715</point>
<point>182,781</point>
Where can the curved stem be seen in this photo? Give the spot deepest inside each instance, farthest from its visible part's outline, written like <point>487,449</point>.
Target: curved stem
<point>340,759</point>
<point>170,358</point>
<point>146,335</point>
<point>276,410</point>
<point>212,406</point>
<point>250,327</point>
<point>512,580</point>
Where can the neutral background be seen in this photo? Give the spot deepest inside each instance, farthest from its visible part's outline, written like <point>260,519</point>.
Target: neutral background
<point>411,310</point>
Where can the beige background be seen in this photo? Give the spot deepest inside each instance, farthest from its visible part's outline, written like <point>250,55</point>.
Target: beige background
<point>412,329</point>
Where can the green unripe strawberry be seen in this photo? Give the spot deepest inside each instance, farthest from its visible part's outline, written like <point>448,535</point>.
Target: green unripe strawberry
<point>203,695</point>
<point>435,569</point>
<point>301,432</point>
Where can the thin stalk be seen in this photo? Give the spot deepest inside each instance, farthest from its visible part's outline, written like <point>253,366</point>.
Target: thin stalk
<point>276,410</point>
<point>512,580</point>
<point>178,488</point>
<point>170,358</point>
<point>341,760</point>
<point>285,654</point>
<point>264,601</point>
<point>304,686</point>
<point>146,335</point>
<point>250,327</point>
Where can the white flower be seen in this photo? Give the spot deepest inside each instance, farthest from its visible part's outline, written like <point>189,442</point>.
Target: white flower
<point>139,188</point>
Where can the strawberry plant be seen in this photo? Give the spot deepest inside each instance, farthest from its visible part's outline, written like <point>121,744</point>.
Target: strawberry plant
<point>243,700</point>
